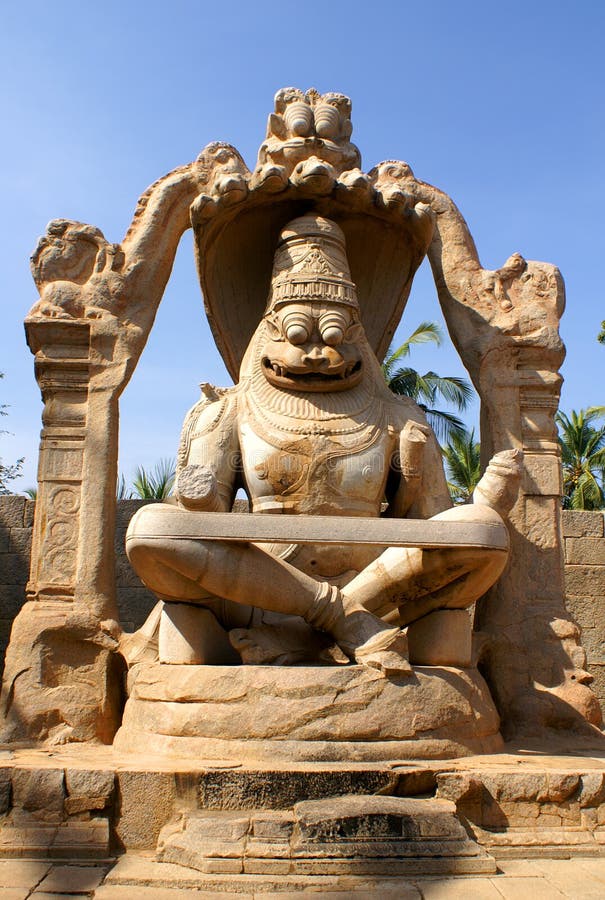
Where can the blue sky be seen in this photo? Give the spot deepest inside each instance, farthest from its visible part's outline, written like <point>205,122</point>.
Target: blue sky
<point>500,105</point>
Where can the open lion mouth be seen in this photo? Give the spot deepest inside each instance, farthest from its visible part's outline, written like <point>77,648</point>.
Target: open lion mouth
<point>280,375</point>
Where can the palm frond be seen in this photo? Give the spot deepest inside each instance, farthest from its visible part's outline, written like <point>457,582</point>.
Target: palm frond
<point>425,333</point>
<point>156,484</point>
<point>122,492</point>
<point>445,424</point>
<point>583,458</point>
<point>462,456</point>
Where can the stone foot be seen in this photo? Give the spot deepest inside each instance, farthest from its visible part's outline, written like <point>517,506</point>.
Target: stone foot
<point>361,635</point>
<point>288,644</point>
<point>387,651</point>
<point>499,486</point>
<point>368,641</point>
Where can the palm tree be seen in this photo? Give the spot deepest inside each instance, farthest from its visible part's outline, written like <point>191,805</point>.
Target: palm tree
<point>156,484</point>
<point>583,458</point>
<point>427,389</point>
<point>462,455</point>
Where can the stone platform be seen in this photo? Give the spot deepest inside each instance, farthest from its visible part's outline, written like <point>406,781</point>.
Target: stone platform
<point>307,713</point>
<point>138,876</point>
<point>91,802</point>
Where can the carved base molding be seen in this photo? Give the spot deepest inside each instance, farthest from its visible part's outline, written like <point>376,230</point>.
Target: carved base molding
<point>351,835</point>
<point>61,677</point>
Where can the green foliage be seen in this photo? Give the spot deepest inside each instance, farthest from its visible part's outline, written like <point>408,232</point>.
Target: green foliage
<point>122,491</point>
<point>462,455</point>
<point>601,334</point>
<point>428,389</point>
<point>583,458</point>
<point>8,472</point>
<point>156,484</point>
<point>31,492</point>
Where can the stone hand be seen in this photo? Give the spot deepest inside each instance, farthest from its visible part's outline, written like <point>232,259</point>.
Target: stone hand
<point>197,488</point>
<point>499,485</point>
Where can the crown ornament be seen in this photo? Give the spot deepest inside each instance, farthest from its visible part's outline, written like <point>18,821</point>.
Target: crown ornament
<point>311,265</point>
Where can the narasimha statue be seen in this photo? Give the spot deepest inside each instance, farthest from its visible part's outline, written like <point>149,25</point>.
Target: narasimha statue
<point>310,430</point>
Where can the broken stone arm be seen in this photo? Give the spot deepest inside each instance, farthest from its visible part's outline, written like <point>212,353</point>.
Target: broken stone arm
<point>208,460</point>
<point>421,491</point>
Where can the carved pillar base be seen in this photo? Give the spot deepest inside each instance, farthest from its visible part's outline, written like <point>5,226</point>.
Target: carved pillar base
<point>61,678</point>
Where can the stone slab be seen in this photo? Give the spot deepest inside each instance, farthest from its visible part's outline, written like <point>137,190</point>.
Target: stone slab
<point>460,889</point>
<point>268,789</point>
<point>589,551</point>
<point>145,892</point>
<point>536,888</point>
<point>302,529</point>
<point>12,510</point>
<point>72,879</point>
<point>22,873</point>
<point>581,523</point>
<point>585,579</point>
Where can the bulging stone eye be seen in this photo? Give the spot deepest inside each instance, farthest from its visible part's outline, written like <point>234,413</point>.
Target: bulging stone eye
<point>333,335</point>
<point>332,326</point>
<point>297,327</point>
<point>297,333</point>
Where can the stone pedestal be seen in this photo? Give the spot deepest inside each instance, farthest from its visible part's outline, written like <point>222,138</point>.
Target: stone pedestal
<point>360,835</point>
<point>443,638</point>
<point>307,713</point>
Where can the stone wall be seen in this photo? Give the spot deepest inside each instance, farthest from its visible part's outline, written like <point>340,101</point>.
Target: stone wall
<point>135,602</point>
<point>584,539</point>
<point>16,521</point>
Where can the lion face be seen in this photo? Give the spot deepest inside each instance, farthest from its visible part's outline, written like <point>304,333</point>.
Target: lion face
<point>313,346</point>
<point>67,252</point>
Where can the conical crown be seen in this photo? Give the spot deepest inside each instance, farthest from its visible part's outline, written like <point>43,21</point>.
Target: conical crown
<point>310,263</point>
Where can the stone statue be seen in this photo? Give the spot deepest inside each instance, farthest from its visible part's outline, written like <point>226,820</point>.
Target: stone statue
<point>346,590</point>
<point>311,429</point>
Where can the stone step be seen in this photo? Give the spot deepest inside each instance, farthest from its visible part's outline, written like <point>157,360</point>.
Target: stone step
<point>64,840</point>
<point>356,834</point>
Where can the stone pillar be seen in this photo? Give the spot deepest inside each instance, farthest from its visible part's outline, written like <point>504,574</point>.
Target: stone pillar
<point>505,325</point>
<point>97,304</point>
<point>533,660</point>
<point>62,369</point>
<point>64,636</point>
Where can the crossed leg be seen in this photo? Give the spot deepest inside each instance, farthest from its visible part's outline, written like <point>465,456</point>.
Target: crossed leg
<point>404,584</point>
<point>410,581</point>
<point>191,570</point>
